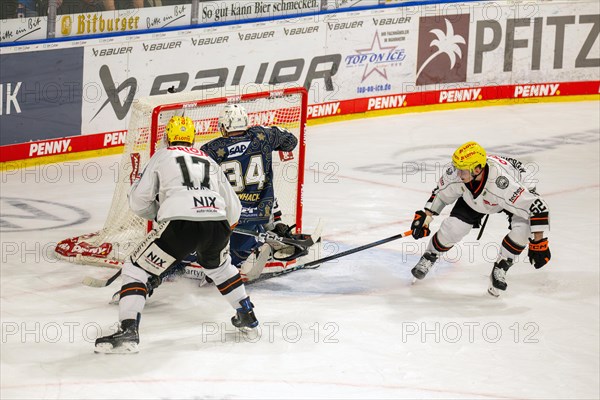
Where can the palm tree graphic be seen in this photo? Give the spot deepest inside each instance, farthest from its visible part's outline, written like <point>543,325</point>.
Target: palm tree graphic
<point>446,43</point>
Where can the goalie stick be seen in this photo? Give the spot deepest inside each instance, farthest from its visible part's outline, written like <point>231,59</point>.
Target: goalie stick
<point>270,236</point>
<point>318,262</point>
<point>276,250</point>
<point>89,281</point>
<point>301,245</point>
<point>95,282</point>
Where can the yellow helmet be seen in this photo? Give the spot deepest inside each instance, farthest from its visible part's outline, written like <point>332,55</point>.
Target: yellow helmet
<point>468,156</point>
<point>180,129</point>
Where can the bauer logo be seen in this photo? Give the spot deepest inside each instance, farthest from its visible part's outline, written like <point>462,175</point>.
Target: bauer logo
<point>129,84</point>
<point>113,51</point>
<point>300,31</point>
<point>321,68</point>
<point>162,46</point>
<point>442,49</point>
<point>256,35</point>
<point>210,40</point>
<point>236,150</point>
<point>391,21</point>
<point>336,26</point>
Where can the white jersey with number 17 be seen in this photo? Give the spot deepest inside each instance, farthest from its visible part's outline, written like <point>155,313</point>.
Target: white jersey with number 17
<point>184,183</point>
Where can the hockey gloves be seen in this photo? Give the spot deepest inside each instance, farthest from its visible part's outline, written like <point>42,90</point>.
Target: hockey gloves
<point>282,230</point>
<point>420,225</point>
<point>539,252</point>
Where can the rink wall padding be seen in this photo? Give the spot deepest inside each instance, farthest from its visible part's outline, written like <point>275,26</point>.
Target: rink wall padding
<point>354,64</point>
<point>49,101</point>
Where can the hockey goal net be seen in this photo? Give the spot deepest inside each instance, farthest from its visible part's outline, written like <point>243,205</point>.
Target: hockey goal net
<point>123,230</point>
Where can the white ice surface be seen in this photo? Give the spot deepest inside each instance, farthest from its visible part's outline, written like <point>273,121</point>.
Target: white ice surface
<point>354,328</point>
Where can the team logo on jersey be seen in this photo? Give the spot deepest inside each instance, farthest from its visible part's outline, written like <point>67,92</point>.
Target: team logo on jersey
<point>502,182</point>
<point>450,170</point>
<point>205,202</point>
<point>236,150</point>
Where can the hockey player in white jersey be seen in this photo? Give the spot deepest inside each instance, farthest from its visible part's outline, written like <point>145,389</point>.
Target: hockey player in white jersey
<point>478,184</point>
<point>186,192</point>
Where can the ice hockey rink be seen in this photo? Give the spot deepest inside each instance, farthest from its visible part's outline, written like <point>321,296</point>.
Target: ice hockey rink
<point>355,327</point>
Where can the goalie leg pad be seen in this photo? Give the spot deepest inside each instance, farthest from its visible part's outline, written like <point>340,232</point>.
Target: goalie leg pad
<point>255,264</point>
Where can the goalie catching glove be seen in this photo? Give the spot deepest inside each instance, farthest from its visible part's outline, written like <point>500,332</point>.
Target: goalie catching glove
<point>420,225</point>
<point>539,252</point>
<point>283,230</point>
<point>290,251</point>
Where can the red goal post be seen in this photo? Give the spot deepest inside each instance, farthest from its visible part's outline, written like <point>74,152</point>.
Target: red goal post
<point>123,230</point>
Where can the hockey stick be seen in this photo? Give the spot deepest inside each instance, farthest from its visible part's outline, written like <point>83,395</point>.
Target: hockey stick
<point>483,226</point>
<point>261,237</point>
<point>301,246</point>
<point>270,236</point>
<point>329,258</point>
<point>94,282</point>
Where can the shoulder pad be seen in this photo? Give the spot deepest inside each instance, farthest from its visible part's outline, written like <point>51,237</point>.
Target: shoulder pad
<point>448,176</point>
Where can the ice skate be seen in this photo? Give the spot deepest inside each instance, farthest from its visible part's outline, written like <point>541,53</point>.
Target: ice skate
<point>498,277</point>
<point>424,265</point>
<point>124,341</point>
<point>244,319</point>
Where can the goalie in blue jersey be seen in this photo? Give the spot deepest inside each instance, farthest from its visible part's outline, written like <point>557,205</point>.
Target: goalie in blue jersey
<point>245,156</point>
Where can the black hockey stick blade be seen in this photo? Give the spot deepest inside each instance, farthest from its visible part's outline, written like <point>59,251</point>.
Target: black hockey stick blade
<point>331,257</point>
<point>94,282</point>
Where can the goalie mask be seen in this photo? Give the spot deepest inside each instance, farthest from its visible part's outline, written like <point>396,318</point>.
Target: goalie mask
<point>469,156</point>
<point>180,129</point>
<point>233,118</point>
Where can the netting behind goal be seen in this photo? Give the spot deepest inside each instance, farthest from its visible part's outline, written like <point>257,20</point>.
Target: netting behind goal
<point>123,230</point>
